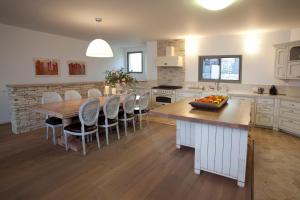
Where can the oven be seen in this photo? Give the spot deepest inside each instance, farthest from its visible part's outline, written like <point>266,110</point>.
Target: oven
<point>162,96</point>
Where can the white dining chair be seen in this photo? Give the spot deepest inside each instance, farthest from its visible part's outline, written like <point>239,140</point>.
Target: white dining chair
<point>110,118</point>
<point>142,108</point>
<point>94,93</point>
<point>127,114</point>
<point>52,122</point>
<point>72,95</point>
<point>88,116</point>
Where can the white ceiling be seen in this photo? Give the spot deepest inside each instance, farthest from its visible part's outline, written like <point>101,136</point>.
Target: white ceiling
<point>142,20</point>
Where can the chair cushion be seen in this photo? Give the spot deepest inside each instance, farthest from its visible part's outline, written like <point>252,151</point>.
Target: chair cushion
<point>136,111</point>
<point>53,121</point>
<point>76,127</point>
<point>101,120</point>
<point>121,115</point>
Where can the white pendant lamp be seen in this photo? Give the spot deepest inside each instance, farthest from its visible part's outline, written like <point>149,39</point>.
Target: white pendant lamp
<point>215,4</point>
<point>99,48</point>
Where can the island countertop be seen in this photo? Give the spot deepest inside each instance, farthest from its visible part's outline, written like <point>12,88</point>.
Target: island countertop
<point>235,114</point>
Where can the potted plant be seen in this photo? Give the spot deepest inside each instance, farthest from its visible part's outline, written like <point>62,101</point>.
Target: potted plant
<point>118,79</point>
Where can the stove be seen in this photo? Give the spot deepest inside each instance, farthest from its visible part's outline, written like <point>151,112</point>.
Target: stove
<point>167,87</point>
<point>164,94</point>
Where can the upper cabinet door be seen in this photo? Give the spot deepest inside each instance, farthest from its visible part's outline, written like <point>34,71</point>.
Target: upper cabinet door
<point>281,61</point>
<point>293,70</point>
<point>295,53</point>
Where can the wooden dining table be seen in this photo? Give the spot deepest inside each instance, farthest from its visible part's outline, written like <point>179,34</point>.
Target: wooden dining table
<point>66,110</point>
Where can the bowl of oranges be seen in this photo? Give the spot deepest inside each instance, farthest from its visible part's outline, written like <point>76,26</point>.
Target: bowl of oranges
<point>210,102</point>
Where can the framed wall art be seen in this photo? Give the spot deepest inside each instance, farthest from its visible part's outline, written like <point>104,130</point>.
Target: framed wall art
<point>77,68</point>
<point>46,67</point>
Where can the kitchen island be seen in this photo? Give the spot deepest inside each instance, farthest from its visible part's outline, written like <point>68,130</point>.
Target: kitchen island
<point>220,137</point>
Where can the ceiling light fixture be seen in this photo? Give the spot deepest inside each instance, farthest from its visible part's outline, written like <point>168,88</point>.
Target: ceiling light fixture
<point>214,4</point>
<point>99,47</point>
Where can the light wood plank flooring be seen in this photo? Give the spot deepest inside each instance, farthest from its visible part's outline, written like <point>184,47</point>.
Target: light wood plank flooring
<point>144,165</point>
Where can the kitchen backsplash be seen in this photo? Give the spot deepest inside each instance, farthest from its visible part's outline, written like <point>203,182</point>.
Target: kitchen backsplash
<point>171,75</point>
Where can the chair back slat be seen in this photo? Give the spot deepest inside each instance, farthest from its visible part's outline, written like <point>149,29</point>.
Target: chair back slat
<point>72,95</point>
<point>144,101</point>
<point>129,103</point>
<point>89,112</point>
<point>94,93</point>
<point>51,97</point>
<point>111,107</point>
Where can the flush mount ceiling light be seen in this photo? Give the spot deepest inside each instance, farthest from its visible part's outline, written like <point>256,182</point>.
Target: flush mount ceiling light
<point>214,4</point>
<point>99,47</point>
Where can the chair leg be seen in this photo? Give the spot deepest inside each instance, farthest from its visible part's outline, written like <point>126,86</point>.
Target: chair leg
<point>54,136</point>
<point>106,134</point>
<point>125,125</point>
<point>47,132</point>
<point>66,141</point>
<point>83,145</point>
<point>97,137</point>
<point>88,139</point>
<point>140,117</point>
<point>118,132</point>
<point>133,123</point>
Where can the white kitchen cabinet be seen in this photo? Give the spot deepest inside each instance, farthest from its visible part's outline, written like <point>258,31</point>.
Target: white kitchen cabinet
<point>262,119</point>
<point>289,117</point>
<point>248,99</point>
<point>281,61</point>
<point>169,61</point>
<point>264,112</point>
<point>293,70</point>
<point>181,95</point>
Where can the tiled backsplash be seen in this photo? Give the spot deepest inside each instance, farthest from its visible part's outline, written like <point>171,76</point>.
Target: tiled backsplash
<point>171,75</point>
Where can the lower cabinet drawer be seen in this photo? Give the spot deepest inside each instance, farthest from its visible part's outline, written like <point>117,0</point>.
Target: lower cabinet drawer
<point>289,125</point>
<point>265,101</point>
<point>264,119</point>
<point>289,104</point>
<point>265,108</point>
<point>290,113</point>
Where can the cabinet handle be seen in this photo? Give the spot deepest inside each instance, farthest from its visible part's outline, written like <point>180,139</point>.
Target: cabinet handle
<point>165,63</point>
<point>290,121</point>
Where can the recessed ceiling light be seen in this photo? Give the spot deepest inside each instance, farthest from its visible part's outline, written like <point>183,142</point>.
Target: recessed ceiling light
<point>214,4</point>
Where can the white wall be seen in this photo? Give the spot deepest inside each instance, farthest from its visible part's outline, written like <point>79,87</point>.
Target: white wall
<point>151,60</point>
<point>19,46</point>
<point>257,68</point>
<point>295,34</point>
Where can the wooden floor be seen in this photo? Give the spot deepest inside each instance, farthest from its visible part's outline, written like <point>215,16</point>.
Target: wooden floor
<point>141,166</point>
<point>276,165</point>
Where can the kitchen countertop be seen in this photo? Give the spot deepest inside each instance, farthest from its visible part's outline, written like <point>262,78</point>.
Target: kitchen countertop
<point>235,114</point>
<point>243,94</point>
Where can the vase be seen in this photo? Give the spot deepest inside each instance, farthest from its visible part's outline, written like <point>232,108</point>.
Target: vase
<point>106,90</point>
<point>114,91</point>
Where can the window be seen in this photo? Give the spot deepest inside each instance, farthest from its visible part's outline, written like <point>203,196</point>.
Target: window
<point>220,68</point>
<point>135,62</point>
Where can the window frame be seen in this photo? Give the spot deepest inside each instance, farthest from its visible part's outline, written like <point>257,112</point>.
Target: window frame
<point>200,68</point>
<point>127,65</point>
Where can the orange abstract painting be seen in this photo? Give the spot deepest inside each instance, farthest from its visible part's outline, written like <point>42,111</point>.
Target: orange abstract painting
<point>76,68</point>
<point>46,67</point>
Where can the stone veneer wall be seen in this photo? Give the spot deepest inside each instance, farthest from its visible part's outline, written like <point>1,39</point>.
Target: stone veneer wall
<point>171,75</point>
<point>23,97</point>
